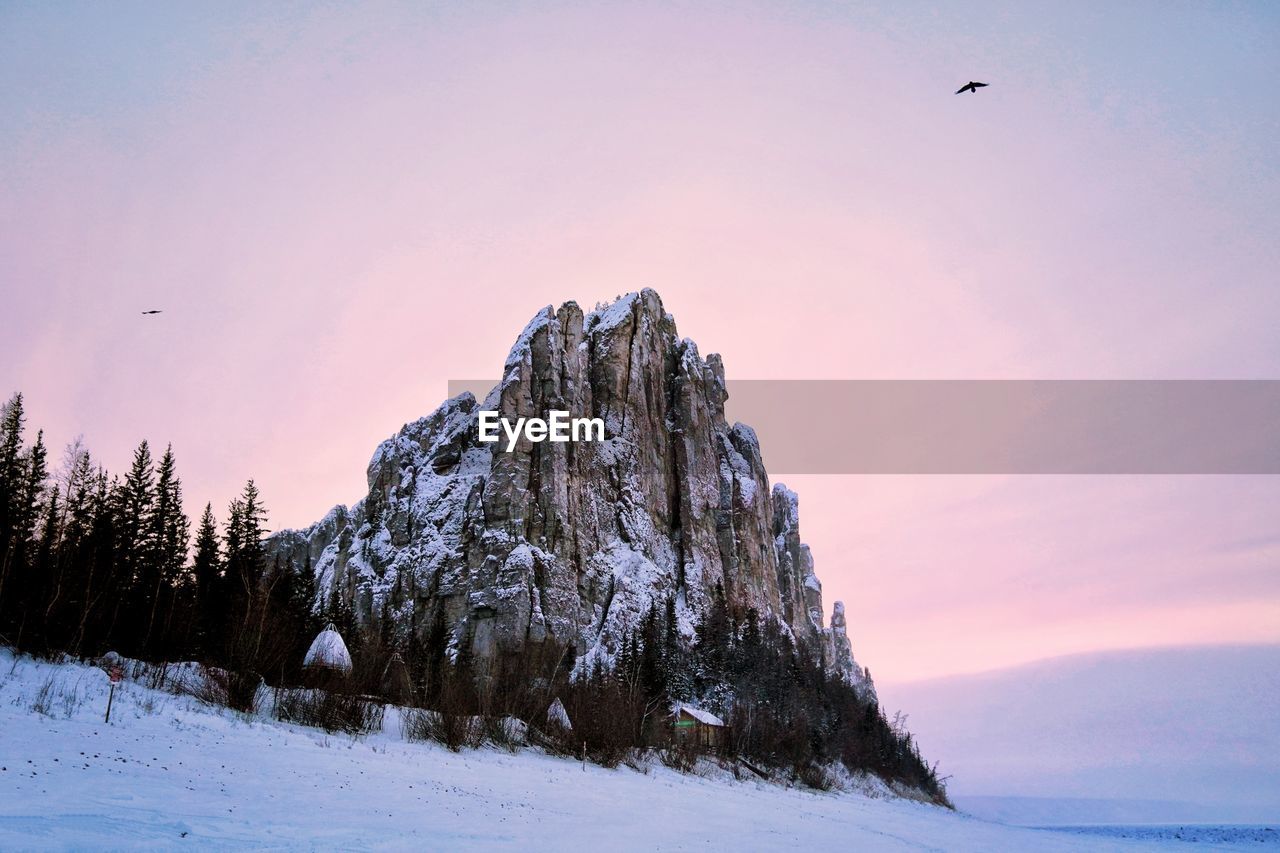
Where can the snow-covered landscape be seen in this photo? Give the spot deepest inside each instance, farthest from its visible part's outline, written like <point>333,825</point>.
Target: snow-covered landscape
<point>170,771</point>
<point>408,413</point>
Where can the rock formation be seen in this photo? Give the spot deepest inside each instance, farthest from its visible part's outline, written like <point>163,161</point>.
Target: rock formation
<point>572,542</point>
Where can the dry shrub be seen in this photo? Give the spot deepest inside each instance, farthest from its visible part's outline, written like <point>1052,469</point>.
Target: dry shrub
<point>505,732</point>
<point>452,730</point>
<point>640,760</point>
<point>815,776</point>
<point>333,712</point>
<point>605,719</point>
<point>235,690</point>
<point>680,755</point>
<point>43,703</point>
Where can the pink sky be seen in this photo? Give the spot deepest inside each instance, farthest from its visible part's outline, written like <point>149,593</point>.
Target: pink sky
<point>339,211</point>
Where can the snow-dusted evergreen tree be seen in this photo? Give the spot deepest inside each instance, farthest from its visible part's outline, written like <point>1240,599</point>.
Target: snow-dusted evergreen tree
<point>713,638</point>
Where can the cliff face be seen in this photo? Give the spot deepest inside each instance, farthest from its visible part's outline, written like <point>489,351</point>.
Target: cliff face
<point>572,542</point>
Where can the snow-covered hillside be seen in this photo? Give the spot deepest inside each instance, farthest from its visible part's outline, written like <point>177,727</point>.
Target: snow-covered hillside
<point>169,771</point>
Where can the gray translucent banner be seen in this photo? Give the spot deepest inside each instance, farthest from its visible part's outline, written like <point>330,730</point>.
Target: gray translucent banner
<point>1005,426</point>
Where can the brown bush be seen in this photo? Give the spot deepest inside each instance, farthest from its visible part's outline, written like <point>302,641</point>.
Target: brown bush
<point>815,776</point>
<point>606,720</point>
<point>680,755</point>
<point>333,712</point>
<point>453,731</point>
<point>235,690</point>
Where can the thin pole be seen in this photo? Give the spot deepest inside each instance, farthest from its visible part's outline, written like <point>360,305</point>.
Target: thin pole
<point>110,696</point>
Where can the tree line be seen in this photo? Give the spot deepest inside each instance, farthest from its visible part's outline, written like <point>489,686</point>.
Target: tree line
<point>94,562</point>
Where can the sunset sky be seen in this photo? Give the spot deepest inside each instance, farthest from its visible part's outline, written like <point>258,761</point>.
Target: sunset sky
<point>340,209</point>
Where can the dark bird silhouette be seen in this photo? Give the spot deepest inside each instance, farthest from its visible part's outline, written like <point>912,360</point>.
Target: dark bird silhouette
<point>971,87</point>
<point>153,311</point>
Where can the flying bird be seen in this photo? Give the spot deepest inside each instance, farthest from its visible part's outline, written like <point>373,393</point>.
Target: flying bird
<point>970,87</point>
<point>152,311</point>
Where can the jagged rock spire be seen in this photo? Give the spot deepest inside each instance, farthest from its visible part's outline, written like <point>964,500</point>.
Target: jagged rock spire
<point>573,542</point>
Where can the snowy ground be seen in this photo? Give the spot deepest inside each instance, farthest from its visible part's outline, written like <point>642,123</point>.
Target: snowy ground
<point>171,772</point>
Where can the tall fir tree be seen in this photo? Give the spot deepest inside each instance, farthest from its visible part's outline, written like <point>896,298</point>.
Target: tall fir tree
<point>166,560</point>
<point>675,664</point>
<point>46,571</point>
<point>244,570</point>
<point>11,425</point>
<point>18,580</point>
<point>136,549</point>
<point>304,596</point>
<point>30,503</point>
<point>99,575</point>
<point>209,600</point>
<point>253,516</point>
<point>72,556</point>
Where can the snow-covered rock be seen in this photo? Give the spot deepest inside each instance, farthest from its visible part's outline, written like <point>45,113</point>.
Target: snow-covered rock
<point>572,543</point>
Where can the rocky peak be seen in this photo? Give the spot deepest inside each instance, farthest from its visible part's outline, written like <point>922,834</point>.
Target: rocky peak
<point>573,542</point>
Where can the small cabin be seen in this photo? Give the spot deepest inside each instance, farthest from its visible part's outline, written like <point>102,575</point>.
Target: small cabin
<point>694,726</point>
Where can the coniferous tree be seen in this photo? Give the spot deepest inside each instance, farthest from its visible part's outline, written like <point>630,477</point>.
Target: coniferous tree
<point>713,637</point>
<point>676,674</point>
<point>245,555</point>
<point>45,572</point>
<point>71,556</point>
<point>100,572</point>
<point>340,610</point>
<point>209,599</point>
<point>255,639</point>
<point>18,581</point>
<point>237,593</point>
<point>652,672</point>
<point>168,554</point>
<point>304,597</point>
<point>431,657</point>
<point>253,517</point>
<point>11,424</point>
<point>30,502</point>
<point>135,547</point>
